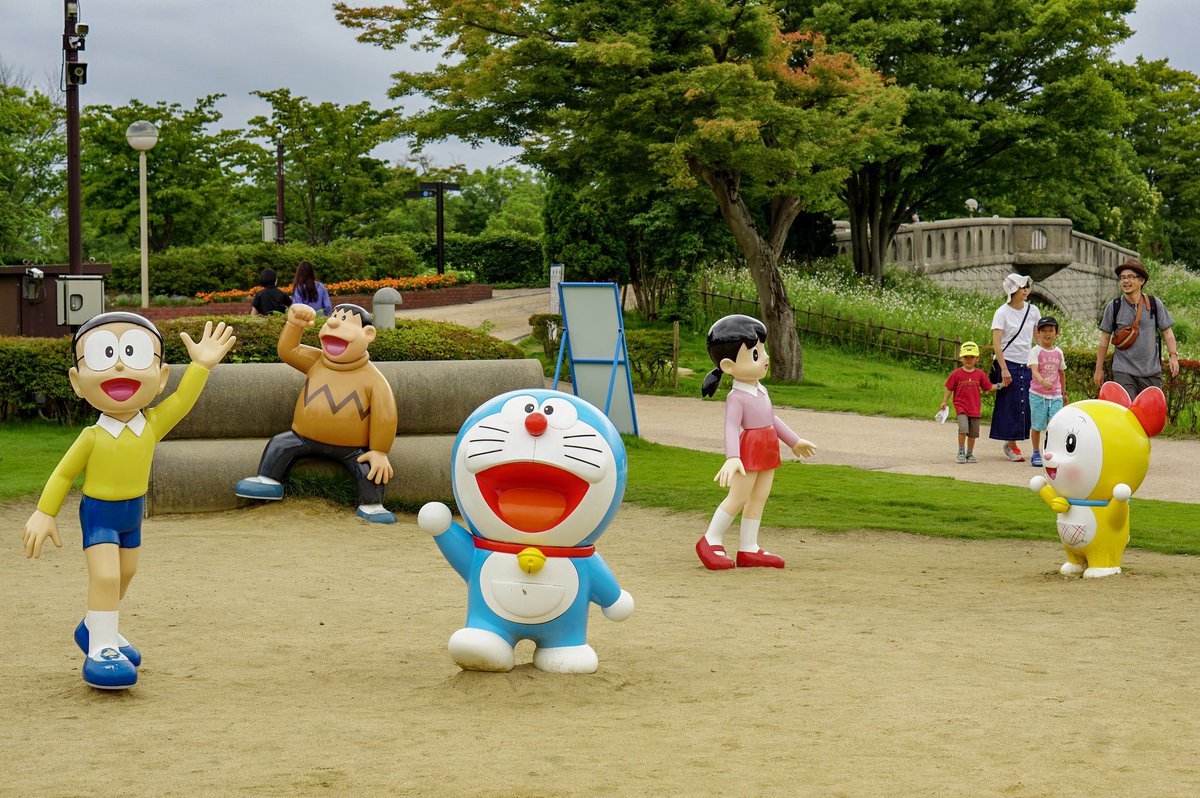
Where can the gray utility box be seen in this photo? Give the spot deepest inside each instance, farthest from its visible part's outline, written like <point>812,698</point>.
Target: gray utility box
<point>80,297</point>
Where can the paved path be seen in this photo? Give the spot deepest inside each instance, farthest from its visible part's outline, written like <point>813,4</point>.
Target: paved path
<point>905,446</point>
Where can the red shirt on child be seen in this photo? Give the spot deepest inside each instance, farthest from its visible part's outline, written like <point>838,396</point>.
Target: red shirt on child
<point>968,388</point>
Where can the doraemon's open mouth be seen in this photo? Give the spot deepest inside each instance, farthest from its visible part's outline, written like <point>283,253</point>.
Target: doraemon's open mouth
<point>1050,472</point>
<point>333,346</point>
<point>531,497</point>
<point>120,389</point>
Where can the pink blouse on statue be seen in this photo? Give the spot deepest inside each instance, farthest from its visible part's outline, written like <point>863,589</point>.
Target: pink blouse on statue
<point>749,407</point>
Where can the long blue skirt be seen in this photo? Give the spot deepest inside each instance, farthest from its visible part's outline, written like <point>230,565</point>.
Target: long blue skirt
<point>1010,418</point>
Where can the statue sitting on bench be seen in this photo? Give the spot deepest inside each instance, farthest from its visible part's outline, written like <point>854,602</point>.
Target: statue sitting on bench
<point>345,412</point>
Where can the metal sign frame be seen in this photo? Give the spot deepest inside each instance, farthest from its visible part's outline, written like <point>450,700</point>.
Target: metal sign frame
<point>594,336</point>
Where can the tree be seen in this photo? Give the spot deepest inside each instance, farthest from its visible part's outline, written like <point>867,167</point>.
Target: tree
<point>333,187</point>
<point>654,243</point>
<point>193,187</point>
<point>642,96</point>
<point>1164,131</point>
<point>505,199</point>
<point>31,181</point>
<point>987,84</point>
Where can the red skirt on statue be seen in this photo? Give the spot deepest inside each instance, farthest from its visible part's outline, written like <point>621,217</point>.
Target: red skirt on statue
<point>759,449</point>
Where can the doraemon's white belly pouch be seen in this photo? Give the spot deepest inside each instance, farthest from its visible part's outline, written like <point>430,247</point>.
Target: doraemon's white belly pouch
<point>528,598</point>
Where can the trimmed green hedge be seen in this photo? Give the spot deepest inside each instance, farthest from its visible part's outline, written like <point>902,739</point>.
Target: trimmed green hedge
<point>498,258</point>
<point>187,271</point>
<point>33,371</point>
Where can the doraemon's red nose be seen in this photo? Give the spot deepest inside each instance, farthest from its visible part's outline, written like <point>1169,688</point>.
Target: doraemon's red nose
<point>535,424</point>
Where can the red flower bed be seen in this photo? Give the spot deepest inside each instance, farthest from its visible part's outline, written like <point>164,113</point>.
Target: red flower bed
<point>341,289</point>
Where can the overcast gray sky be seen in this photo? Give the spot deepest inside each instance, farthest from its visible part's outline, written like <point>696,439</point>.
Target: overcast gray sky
<point>180,50</point>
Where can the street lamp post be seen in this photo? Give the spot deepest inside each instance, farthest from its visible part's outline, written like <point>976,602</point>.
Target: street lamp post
<point>142,136</point>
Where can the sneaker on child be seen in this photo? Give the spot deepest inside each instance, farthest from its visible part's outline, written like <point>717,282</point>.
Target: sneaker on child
<point>962,457</point>
<point>1013,453</point>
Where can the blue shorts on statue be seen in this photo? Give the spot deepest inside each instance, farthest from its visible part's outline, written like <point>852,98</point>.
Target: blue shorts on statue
<point>112,522</point>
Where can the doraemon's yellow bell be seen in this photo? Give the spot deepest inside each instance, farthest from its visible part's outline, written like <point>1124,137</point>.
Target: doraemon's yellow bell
<point>531,560</point>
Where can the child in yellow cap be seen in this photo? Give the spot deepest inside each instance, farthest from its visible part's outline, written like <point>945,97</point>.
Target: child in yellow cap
<point>967,385</point>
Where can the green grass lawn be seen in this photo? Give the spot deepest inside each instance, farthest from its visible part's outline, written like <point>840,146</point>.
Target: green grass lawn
<point>825,498</point>
<point>29,451</point>
<point>841,498</point>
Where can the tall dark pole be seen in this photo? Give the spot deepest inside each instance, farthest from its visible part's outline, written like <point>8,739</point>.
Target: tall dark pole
<point>437,190</point>
<point>279,192</point>
<point>74,193</point>
<point>441,230</point>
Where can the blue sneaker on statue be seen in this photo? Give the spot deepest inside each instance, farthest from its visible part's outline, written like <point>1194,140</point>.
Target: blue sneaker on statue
<point>109,670</point>
<point>256,488</point>
<point>82,638</point>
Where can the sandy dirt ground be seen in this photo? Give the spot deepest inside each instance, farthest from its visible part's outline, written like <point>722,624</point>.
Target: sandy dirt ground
<point>295,650</point>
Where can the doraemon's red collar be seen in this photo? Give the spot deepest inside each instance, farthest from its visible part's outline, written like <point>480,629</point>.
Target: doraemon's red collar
<point>549,551</point>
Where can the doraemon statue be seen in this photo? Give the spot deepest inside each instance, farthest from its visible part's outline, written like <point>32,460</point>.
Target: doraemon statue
<point>538,475</point>
<point>1096,455</point>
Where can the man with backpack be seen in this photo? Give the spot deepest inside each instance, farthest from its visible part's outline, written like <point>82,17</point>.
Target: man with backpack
<point>1132,323</point>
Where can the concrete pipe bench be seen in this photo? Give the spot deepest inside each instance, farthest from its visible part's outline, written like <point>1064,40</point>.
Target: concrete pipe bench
<point>244,404</point>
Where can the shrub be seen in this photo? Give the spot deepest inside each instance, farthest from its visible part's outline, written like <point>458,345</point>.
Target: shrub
<point>651,355</point>
<point>547,330</point>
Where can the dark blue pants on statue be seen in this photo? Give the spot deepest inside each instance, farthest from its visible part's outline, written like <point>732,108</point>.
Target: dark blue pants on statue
<point>1010,418</point>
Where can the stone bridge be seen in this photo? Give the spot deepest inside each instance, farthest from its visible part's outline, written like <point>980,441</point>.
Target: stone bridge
<point>1072,271</point>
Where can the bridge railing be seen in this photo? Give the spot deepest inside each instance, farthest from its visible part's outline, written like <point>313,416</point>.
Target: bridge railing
<point>951,244</point>
<point>900,342</point>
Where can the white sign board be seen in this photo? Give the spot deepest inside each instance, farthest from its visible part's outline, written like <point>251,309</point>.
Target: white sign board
<point>594,338</point>
<point>556,278</point>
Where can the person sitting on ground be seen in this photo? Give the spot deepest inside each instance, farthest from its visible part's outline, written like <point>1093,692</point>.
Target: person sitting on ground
<point>270,299</point>
<point>307,290</point>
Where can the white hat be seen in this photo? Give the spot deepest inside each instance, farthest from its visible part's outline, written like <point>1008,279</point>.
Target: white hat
<point>1014,281</point>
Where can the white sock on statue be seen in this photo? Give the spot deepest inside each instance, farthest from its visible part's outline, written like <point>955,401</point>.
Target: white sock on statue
<point>749,540</point>
<point>102,631</point>
<point>716,528</point>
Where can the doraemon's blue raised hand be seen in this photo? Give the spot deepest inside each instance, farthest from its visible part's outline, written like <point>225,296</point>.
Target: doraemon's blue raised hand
<point>538,476</point>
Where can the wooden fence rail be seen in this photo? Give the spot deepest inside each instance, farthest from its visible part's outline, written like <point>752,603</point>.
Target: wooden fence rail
<point>846,329</point>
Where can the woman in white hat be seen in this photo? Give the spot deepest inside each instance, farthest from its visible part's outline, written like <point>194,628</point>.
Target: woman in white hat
<point>1013,326</point>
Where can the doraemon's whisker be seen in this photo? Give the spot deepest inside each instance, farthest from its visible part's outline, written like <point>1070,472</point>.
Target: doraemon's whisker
<point>584,448</point>
<point>582,435</point>
<point>581,460</point>
<point>486,440</point>
<point>495,429</point>
<point>479,454</point>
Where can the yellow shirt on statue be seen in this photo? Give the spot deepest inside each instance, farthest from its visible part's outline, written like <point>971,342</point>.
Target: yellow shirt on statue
<point>114,456</point>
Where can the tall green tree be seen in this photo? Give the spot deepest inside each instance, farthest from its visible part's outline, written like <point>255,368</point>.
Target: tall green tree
<point>655,243</point>
<point>193,188</point>
<point>333,186</point>
<point>639,96</point>
<point>31,179</point>
<point>989,85</point>
<point>1164,131</point>
<point>500,199</point>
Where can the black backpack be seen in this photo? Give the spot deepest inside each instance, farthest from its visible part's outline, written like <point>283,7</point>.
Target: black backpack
<point>1116,305</point>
